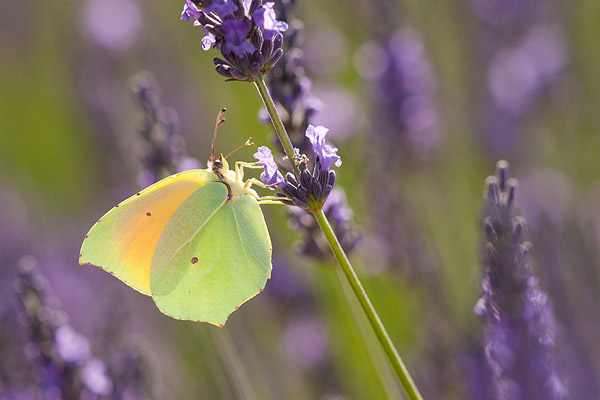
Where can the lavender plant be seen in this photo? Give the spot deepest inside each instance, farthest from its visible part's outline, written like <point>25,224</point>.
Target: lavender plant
<point>248,35</point>
<point>524,54</point>
<point>161,147</point>
<point>61,365</point>
<point>520,330</point>
<point>291,91</point>
<point>404,131</point>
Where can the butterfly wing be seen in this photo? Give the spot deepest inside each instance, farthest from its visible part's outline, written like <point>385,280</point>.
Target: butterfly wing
<point>123,241</point>
<point>207,265</point>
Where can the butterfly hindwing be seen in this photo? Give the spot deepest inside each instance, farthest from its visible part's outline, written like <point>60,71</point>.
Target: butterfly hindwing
<point>212,257</point>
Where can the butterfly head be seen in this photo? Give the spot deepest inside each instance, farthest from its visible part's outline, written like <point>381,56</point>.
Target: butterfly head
<point>234,180</point>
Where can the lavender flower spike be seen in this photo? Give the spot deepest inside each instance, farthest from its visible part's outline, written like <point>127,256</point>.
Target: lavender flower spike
<point>520,325</point>
<point>246,33</point>
<point>265,18</point>
<point>271,176</point>
<point>325,153</point>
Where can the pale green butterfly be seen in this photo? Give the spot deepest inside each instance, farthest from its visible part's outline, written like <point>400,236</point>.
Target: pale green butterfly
<point>195,241</point>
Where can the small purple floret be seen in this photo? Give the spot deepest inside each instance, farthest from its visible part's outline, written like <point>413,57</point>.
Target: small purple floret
<point>271,177</point>
<point>190,11</point>
<point>222,8</point>
<point>235,32</point>
<point>265,18</point>
<point>208,40</point>
<point>325,152</point>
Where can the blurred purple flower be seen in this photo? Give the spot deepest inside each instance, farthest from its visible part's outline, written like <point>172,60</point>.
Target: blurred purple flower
<point>271,176</point>
<point>161,146</point>
<point>325,153</point>
<point>57,357</point>
<point>71,346</point>
<point>524,54</point>
<point>305,340</point>
<point>265,18</point>
<point>340,216</point>
<point>95,379</point>
<point>403,89</point>
<point>520,326</point>
<point>113,24</point>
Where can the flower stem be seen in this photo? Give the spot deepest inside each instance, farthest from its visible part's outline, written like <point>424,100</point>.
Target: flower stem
<point>407,383</point>
<point>403,375</point>
<point>259,82</point>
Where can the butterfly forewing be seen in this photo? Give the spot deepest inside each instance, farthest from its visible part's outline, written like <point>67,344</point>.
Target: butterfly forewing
<point>123,241</point>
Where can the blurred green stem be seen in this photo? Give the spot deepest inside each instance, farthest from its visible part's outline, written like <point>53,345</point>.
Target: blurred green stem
<point>388,346</point>
<point>231,363</point>
<point>392,354</point>
<point>259,82</point>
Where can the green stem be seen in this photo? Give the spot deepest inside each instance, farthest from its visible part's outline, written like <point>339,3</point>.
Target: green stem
<point>407,383</point>
<point>392,354</point>
<point>259,82</point>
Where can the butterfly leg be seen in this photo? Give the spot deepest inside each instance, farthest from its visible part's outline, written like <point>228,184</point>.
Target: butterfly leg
<point>239,168</point>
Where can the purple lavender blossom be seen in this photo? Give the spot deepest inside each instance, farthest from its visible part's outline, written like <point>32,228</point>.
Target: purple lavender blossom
<point>325,153</point>
<point>235,32</point>
<point>250,46</point>
<point>190,11</point>
<point>222,8</point>
<point>208,41</point>
<point>271,176</point>
<point>520,326</point>
<point>265,18</point>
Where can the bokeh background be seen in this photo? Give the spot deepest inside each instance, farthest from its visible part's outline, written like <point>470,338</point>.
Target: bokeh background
<point>421,98</point>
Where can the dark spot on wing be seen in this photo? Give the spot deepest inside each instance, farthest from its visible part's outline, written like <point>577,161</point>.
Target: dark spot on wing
<point>148,214</point>
<point>194,260</point>
<point>137,194</point>
<point>117,205</point>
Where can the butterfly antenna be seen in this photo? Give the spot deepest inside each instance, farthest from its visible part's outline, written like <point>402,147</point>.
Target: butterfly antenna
<point>220,121</point>
<point>249,142</point>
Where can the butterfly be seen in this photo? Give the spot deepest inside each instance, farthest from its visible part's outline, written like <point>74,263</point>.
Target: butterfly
<point>196,241</point>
